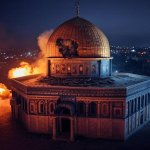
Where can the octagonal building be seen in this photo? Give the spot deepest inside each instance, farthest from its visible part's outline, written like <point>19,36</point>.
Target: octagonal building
<point>80,96</point>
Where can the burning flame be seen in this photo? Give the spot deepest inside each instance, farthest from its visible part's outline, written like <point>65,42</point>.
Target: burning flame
<point>4,92</point>
<point>39,66</point>
<point>24,69</point>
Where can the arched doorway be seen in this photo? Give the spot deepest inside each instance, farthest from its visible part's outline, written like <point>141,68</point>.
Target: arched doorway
<point>65,127</point>
<point>64,121</point>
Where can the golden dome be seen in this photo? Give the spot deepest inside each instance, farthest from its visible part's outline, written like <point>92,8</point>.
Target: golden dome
<point>90,40</point>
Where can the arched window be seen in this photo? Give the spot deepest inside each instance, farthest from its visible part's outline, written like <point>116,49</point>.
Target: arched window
<point>81,108</point>
<point>51,108</point>
<point>41,107</point>
<point>92,109</point>
<point>142,101</point>
<point>135,105</point>
<point>86,70</point>
<point>23,104</point>
<point>146,100</point>
<point>81,69</point>
<point>63,68</point>
<point>141,118</point>
<point>105,111</point>
<point>74,69</point>
<point>128,109</point>
<point>93,69</point>
<point>139,103</point>
<point>57,68</point>
<point>32,107</point>
<point>69,70</point>
<point>132,106</point>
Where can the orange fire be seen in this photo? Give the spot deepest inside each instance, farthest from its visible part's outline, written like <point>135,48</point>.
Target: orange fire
<point>24,69</point>
<point>4,92</point>
<point>39,66</point>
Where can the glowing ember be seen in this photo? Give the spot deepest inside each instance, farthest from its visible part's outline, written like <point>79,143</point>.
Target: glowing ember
<point>4,92</point>
<point>24,69</point>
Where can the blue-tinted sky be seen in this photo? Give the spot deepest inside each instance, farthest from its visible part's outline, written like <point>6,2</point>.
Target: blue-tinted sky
<point>125,22</point>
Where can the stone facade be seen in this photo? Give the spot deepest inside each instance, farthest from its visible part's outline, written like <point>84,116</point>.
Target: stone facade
<point>109,113</point>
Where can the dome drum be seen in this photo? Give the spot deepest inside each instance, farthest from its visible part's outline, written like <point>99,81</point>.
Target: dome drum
<point>60,67</point>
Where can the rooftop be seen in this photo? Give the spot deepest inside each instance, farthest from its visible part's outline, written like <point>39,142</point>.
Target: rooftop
<point>118,80</point>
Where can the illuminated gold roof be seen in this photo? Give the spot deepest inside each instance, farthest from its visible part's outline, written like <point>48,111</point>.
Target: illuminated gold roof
<point>91,40</point>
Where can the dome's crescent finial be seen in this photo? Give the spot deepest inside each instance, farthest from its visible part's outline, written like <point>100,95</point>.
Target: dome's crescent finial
<point>77,6</point>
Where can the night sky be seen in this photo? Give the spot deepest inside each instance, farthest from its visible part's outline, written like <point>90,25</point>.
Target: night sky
<point>125,22</point>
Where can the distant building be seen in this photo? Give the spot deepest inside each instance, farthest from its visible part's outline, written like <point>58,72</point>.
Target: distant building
<point>80,96</point>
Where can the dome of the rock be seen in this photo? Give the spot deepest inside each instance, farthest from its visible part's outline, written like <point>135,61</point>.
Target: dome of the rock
<point>85,38</point>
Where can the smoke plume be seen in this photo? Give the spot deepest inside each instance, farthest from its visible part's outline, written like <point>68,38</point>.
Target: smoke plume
<point>42,43</point>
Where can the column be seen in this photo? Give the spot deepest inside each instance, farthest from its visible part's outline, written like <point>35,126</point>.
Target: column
<point>98,115</point>
<point>71,129</point>
<point>98,110</point>
<point>87,114</point>
<point>54,128</point>
<point>86,108</point>
<point>60,125</point>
